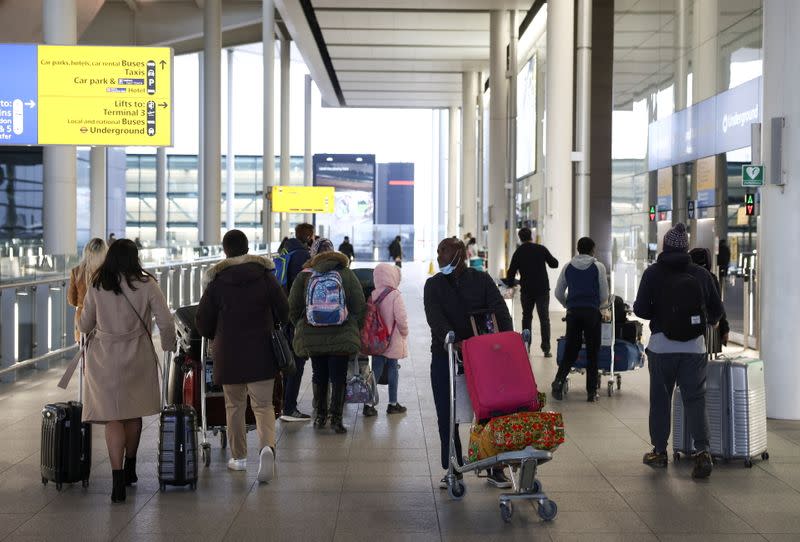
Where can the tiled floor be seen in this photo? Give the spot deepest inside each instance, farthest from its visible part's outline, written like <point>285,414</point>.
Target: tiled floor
<point>379,482</point>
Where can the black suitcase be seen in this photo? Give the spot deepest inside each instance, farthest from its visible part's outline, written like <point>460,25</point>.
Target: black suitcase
<point>177,447</point>
<point>66,445</point>
<point>189,340</point>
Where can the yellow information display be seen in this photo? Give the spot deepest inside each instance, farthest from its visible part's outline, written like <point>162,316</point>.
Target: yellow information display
<point>303,199</point>
<point>116,96</point>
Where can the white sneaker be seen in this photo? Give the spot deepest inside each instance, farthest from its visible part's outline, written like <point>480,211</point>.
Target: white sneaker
<point>237,464</point>
<point>266,465</point>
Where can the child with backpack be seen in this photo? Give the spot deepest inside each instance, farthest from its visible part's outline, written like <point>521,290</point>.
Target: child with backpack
<point>385,332</point>
<point>326,306</point>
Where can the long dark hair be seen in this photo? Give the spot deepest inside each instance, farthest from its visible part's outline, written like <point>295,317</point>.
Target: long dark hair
<point>122,261</point>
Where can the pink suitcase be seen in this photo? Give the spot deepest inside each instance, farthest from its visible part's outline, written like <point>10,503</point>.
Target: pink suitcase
<point>499,376</point>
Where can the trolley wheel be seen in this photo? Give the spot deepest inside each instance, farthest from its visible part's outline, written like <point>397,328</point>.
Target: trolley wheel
<point>85,483</point>
<point>206,453</point>
<point>676,457</point>
<point>457,490</point>
<point>59,486</point>
<point>193,486</point>
<point>748,463</point>
<point>565,388</point>
<point>619,382</point>
<point>162,487</point>
<point>44,481</point>
<point>610,388</point>
<point>548,510</point>
<point>765,456</point>
<point>223,439</point>
<point>506,511</point>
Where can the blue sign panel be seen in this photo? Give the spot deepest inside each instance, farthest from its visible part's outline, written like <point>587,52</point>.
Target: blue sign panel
<point>714,126</point>
<point>19,119</point>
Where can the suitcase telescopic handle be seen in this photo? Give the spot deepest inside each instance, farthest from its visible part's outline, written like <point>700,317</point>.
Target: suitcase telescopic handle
<point>81,363</point>
<point>165,366</point>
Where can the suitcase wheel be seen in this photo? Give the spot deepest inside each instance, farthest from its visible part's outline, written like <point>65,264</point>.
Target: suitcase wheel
<point>223,439</point>
<point>58,486</point>
<point>162,487</point>
<point>676,457</point>
<point>206,452</point>
<point>85,483</point>
<point>765,456</point>
<point>44,481</point>
<point>193,486</point>
<point>610,388</point>
<point>748,463</point>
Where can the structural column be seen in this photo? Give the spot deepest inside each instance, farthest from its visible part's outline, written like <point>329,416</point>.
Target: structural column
<point>200,154</point>
<point>452,174</point>
<point>557,234</point>
<point>779,220</point>
<point>308,158</point>
<point>286,161</point>
<point>60,213</point>
<point>161,195</point>
<point>443,148</point>
<point>498,141</point>
<point>230,156</point>
<point>97,192</point>
<point>469,196</point>
<point>212,112</point>
<point>268,159</point>
<point>679,189</point>
<point>583,124</point>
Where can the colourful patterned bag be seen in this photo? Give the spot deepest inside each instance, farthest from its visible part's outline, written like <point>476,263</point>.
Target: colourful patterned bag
<point>542,430</point>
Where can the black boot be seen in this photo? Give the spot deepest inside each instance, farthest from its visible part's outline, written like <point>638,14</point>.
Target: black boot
<point>337,407</point>
<point>118,488</point>
<point>130,471</point>
<point>557,389</point>
<point>320,403</point>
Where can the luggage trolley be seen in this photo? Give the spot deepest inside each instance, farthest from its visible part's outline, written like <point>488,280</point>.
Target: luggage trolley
<point>613,351</point>
<point>190,382</point>
<point>523,463</point>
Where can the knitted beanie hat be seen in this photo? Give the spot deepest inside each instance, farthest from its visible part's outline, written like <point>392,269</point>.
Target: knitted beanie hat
<point>676,239</point>
<point>321,245</point>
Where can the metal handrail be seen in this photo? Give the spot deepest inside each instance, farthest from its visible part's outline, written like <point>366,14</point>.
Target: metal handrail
<point>166,268</point>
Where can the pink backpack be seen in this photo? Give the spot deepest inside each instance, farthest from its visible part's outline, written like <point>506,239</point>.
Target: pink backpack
<point>375,335</point>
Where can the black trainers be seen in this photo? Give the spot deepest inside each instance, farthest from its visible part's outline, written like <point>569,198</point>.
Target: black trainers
<point>369,411</point>
<point>656,459</point>
<point>548,354</point>
<point>498,479</point>
<point>295,416</point>
<point>396,408</point>
<point>557,389</point>
<point>703,465</point>
<point>592,397</point>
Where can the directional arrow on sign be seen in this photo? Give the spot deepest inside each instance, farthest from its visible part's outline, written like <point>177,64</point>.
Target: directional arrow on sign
<point>30,104</point>
<point>163,104</point>
<point>163,63</point>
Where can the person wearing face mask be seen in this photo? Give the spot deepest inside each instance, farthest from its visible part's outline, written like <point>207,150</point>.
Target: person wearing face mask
<point>450,297</point>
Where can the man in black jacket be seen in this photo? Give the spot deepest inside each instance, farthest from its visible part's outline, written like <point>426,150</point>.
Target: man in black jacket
<point>531,260</point>
<point>299,253</point>
<point>450,297</point>
<point>396,251</point>
<point>680,299</point>
<point>347,249</point>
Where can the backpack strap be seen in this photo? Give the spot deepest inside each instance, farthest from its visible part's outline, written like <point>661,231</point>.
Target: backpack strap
<point>383,295</point>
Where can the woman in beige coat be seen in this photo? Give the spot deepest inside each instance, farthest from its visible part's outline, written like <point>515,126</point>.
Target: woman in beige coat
<point>94,253</point>
<point>121,364</point>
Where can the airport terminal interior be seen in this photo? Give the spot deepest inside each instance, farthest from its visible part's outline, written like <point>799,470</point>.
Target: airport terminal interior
<point>395,126</point>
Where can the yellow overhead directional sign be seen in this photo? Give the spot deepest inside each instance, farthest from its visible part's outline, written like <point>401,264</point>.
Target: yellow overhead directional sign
<point>115,96</point>
<point>303,199</point>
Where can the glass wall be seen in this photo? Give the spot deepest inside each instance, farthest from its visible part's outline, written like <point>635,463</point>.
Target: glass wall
<point>182,196</point>
<point>681,68</point>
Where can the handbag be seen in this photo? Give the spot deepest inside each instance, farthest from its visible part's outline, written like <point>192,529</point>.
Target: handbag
<point>284,358</point>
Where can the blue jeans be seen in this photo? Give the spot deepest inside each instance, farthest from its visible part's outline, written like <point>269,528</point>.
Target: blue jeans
<point>378,365</point>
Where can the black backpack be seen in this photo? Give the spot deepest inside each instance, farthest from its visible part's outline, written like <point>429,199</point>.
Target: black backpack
<point>680,305</point>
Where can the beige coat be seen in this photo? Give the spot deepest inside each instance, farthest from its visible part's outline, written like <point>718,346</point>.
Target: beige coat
<point>122,376</point>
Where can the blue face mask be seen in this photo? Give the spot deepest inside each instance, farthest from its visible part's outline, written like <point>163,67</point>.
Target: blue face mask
<point>449,268</point>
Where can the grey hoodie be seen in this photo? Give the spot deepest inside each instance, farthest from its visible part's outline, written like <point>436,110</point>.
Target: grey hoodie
<point>582,262</point>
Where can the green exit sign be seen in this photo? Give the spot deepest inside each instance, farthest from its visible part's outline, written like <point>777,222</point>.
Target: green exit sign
<point>752,175</point>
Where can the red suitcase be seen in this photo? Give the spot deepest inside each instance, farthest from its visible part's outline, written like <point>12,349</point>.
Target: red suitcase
<point>499,376</point>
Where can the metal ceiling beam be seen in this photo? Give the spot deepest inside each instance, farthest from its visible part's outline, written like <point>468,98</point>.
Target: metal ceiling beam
<point>132,5</point>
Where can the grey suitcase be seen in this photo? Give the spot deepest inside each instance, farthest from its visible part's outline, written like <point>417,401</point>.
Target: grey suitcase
<point>737,412</point>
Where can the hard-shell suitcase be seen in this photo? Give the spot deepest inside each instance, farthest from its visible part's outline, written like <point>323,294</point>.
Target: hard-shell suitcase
<point>499,375</point>
<point>66,442</point>
<point>177,447</point>
<point>189,339</point>
<point>737,412</point>
<point>66,449</point>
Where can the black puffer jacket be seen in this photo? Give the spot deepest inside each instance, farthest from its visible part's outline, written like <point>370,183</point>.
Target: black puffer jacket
<point>236,312</point>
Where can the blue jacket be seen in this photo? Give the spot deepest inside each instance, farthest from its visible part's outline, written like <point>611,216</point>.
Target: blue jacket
<point>297,261</point>
<point>583,284</point>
